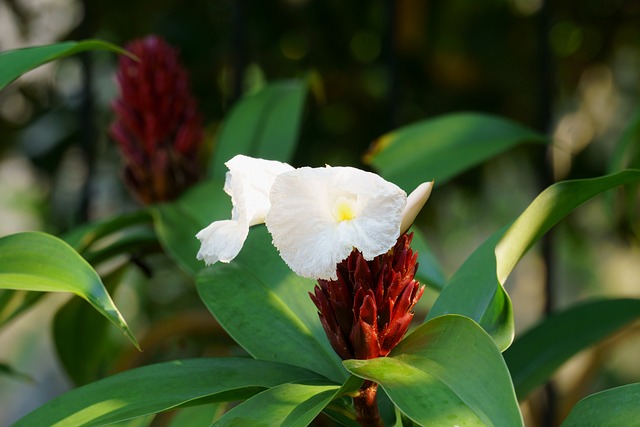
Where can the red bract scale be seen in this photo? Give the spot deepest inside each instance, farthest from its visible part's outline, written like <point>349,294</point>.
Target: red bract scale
<point>157,127</point>
<point>368,309</point>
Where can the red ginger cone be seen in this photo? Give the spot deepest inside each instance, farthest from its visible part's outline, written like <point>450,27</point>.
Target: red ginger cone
<point>157,127</point>
<point>368,309</point>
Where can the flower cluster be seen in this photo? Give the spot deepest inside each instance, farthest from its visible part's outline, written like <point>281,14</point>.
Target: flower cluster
<point>158,127</point>
<point>316,216</point>
<point>366,311</point>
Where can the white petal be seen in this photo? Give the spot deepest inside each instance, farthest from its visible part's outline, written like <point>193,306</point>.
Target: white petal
<point>311,238</point>
<point>248,182</point>
<point>221,241</point>
<point>415,202</point>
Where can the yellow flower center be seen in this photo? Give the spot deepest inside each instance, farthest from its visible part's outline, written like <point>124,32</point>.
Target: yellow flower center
<point>344,209</point>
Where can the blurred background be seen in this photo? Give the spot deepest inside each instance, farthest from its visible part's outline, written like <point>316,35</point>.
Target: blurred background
<point>569,69</point>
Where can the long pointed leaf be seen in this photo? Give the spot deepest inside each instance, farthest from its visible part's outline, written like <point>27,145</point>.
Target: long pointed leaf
<point>476,289</point>
<point>552,205</point>
<point>156,388</point>
<point>447,372</point>
<point>442,147</point>
<point>534,356</point>
<point>34,261</point>
<point>290,405</point>
<point>14,63</point>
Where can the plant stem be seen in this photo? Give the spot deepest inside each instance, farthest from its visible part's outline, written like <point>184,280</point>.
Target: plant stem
<point>366,405</point>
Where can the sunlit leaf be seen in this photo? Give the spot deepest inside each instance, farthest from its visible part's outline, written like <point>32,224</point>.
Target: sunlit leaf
<point>156,388</point>
<point>615,407</point>
<point>290,405</point>
<point>34,261</point>
<point>265,125</point>
<point>14,63</point>
<point>552,205</point>
<point>443,147</point>
<point>535,355</point>
<point>266,308</point>
<point>476,290</point>
<point>81,336</point>
<point>447,372</point>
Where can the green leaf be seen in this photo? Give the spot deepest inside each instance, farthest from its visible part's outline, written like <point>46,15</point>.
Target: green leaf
<point>289,405</point>
<point>534,356</point>
<point>552,205</point>
<point>14,63</point>
<point>196,416</point>
<point>86,235</point>
<point>35,261</point>
<point>266,308</point>
<point>81,336</point>
<point>177,223</point>
<point>265,125</point>
<point>447,372</point>
<point>156,388</point>
<point>616,407</point>
<point>442,147</point>
<point>476,289</point>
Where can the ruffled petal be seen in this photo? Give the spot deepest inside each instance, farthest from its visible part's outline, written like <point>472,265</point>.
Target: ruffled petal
<point>318,215</point>
<point>221,241</point>
<point>248,182</point>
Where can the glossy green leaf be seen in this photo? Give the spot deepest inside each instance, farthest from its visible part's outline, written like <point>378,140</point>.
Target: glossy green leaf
<point>265,125</point>
<point>617,407</point>
<point>552,205</point>
<point>156,388</point>
<point>442,147</point>
<point>476,291</point>
<point>177,223</point>
<point>288,405</point>
<point>81,336</point>
<point>535,355</point>
<point>34,261</point>
<point>446,372</point>
<point>266,308</point>
<point>14,63</point>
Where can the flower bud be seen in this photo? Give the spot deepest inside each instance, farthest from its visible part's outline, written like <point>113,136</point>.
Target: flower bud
<point>158,128</point>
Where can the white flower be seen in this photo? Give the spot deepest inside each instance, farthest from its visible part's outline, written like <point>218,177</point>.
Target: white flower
<point>318,215</point>
<point>248,182</point>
